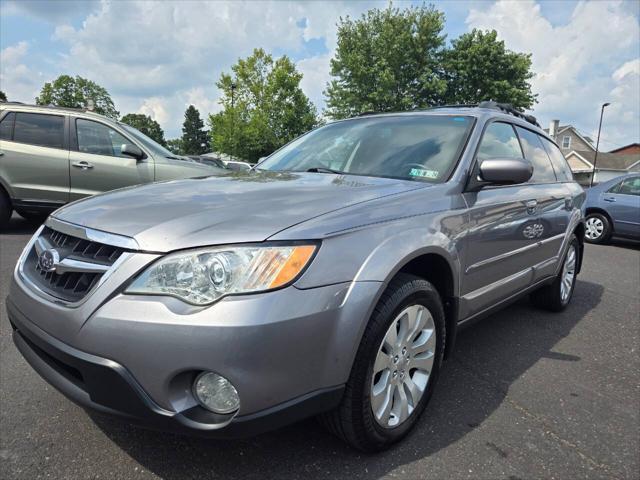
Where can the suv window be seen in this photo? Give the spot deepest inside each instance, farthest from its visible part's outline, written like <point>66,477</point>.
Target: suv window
<point>560,165</point>
<point>499,140</point>
<point>98,139</point>
<point>39,129</point>
<point>536,154</point>
<point>6,126</point>
<point>629,186</point>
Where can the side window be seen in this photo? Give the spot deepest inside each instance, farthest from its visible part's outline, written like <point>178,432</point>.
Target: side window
<point>6,126</point>
<point>566,141</point>
<point>39,129</point>
<point>615,188</point>
<point>98,139</point>
<point>536,154</point>
<point>630,186</point>
<point>560,165</point>
<point>499,140</point>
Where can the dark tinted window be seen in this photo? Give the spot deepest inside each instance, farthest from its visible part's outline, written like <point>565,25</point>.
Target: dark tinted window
<point>39,129</point>
<point>98,139</point>
<point>6,126</point>
<point>560,165</point>
<point>630,186</point>
<point>499,141</point>
<point>536,154</point>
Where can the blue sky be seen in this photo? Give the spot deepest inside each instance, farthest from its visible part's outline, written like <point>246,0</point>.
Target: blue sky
<point>158,57</point>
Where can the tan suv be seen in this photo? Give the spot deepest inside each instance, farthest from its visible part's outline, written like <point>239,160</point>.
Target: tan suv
<point>50,156</point>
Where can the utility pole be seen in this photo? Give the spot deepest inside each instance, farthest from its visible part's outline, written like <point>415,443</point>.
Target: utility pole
<point>233,122</point>
<point>595,158</point>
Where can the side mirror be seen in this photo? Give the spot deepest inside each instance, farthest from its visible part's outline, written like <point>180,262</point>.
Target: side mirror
<point>132,150</point>
<point>505,171</point>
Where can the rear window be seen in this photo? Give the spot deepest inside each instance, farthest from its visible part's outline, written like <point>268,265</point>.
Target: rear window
<point>39,129</point>
<point>560,165</point>
<point>6,126</point>
<point>536,154</point>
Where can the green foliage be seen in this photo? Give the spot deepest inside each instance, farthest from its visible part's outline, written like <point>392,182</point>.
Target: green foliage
<point>387,60</point>
<point>268,108</point>
<point>66,91</point>
<point>479,67</point>
<point>175,146</point>
<point>195,140</point>
<point>146,125</point>
<point>3,96</point>
<point>395,60</point>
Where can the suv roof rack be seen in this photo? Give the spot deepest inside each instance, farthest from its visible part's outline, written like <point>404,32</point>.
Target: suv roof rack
<point>510,109</point>
<point>71,109</point>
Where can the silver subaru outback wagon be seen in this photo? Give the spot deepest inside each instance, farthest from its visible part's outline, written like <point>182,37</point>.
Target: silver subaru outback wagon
<point>330,280</point>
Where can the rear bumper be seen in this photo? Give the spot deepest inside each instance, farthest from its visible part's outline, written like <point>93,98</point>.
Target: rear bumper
<point>105,386</point>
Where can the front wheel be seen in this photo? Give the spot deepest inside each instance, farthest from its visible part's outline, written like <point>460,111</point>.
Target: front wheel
<point>597,228</point>
<point>396,367</point>
<point>5,210</point>
<point>557,295</point>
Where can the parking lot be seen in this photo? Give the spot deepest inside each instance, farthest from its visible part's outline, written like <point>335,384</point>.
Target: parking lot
<point>527,394</point>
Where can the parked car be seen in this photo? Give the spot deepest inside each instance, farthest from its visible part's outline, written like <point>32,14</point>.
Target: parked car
<point>613,208</point>
<point>50,156</point>
<point>330,280</point>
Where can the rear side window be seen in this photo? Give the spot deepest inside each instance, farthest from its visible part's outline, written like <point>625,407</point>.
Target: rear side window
<point>536,154</point>
<point>39,129</point>
<point>6,126</point>
<point>499,140</point>
<point>98,139</point>
<point>560,165</point>
<point>630,186</point>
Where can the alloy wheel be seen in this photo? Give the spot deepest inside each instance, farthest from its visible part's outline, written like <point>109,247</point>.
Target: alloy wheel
<point>568,274</point>
<point>403,366</point>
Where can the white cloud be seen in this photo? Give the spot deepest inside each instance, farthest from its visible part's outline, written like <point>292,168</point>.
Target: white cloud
<point>315,71</point>
<point>575,62</point>
<point>17,80</point>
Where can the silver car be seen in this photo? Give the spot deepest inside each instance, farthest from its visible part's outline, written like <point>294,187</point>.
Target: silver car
<point>50,156</point>
<point>330,280</point>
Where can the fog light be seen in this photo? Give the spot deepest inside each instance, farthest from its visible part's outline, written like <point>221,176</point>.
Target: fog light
<point>216,393</point>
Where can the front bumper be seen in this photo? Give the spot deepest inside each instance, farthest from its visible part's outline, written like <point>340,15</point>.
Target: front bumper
<point>107,387</point>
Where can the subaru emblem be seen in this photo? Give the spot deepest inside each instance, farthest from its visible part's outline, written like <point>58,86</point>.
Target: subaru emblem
<point>48,260</point>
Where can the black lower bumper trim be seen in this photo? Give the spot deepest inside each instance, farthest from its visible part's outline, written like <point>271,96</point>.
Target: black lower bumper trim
<point>105,386</point>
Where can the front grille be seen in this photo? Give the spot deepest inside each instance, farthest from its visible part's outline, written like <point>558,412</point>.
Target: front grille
<point>70,285</point>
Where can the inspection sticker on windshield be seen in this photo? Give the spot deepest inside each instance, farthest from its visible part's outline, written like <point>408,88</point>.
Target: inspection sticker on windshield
<point>419,172</point>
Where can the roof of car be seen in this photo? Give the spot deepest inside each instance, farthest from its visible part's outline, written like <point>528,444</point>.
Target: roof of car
<point>52,108</point>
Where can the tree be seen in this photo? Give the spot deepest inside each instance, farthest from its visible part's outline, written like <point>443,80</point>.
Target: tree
<point>3,96</point>
<point>66,91</point>
<point>146,125</point>
<point>175,145</point>
<point>479,67</point>
<point>195,140</point>
<point>263,107</point>
<point>387,60</point>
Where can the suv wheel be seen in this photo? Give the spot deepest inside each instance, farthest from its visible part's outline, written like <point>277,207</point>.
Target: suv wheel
<point>557,295</point>
<point>597,228</point>
<point>5,209</point>
<point>35,217</point>
<point>396,367</point>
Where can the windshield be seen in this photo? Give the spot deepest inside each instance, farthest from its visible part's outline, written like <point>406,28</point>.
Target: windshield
<point>155,147</point>
<point>416,147</point>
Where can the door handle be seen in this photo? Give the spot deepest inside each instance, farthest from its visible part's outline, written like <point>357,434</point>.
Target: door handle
<point>83,165</point>
<point>531,205</point>
<point>609,199</point>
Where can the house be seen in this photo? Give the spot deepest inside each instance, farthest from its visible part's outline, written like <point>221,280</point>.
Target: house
<point>580,153</point>
<point>627,149</point>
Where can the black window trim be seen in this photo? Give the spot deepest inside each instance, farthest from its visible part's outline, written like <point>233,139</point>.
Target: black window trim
<point>65,128</point>
<point>75,147</point>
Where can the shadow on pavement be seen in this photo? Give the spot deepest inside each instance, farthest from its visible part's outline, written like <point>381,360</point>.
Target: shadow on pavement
<point>20,226</point>
<point>489,357</point>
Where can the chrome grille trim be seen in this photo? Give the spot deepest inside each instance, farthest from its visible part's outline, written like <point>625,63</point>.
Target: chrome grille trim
<point>92,235</point>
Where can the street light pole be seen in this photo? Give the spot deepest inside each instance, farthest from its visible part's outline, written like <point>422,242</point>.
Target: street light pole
<point>233,122</point>
<point>595,157</point>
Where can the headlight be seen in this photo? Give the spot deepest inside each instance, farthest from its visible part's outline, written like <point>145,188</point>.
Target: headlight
<point>203,276</point>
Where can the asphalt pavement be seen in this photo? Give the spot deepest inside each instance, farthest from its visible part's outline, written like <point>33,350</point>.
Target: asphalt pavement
<point>528,394</point>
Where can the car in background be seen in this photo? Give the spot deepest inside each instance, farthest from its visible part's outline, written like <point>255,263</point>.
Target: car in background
<point>50,156</point>
<point>237,166</point>
<point>613,208</point>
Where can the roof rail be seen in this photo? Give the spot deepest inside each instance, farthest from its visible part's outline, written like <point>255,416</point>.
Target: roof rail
<point>510,109</point>
<point>72,109</point>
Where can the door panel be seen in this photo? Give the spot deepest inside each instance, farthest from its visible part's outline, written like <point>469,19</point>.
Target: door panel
<point>623,204</point>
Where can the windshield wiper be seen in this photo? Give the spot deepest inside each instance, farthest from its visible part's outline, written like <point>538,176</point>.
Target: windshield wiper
<point>324,170</point>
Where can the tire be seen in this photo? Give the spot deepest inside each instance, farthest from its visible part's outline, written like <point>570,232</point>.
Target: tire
<point>5,210</point>
<point>354,420</point>
<point>35,217</point>
<point>597,228</point>
<point>554,297</point>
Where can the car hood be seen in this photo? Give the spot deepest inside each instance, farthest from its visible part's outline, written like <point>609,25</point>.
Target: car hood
<point>242,207</point>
